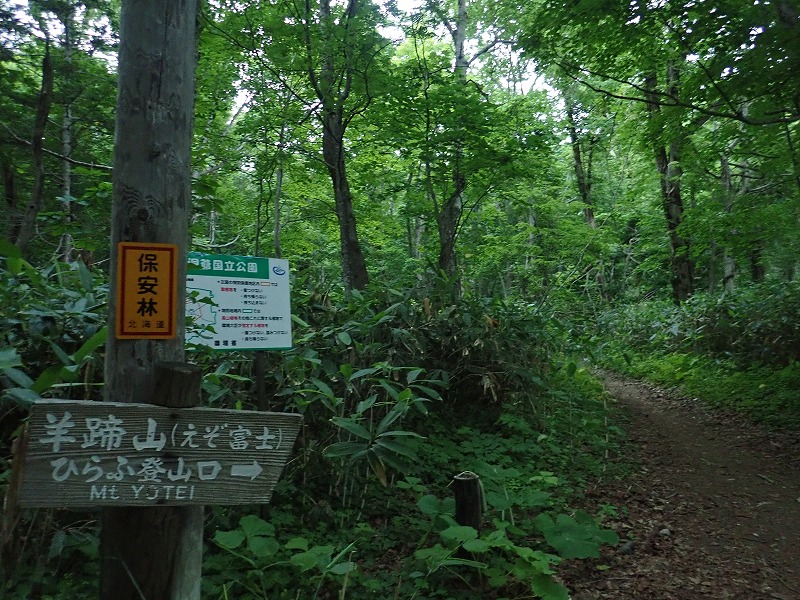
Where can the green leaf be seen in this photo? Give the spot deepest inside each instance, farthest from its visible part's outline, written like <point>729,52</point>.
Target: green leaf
<point>400,433</point>
<point>459,534</point>
<point>297,543</point>
<point>65,358</point>
<point>397,447</point>
<point>22,395</point>
<point>547,588</point>
<point>412,375</point>
<point>262,546</point>
<point>323,387</point>
<point>9,250</point>
<point>253,525</point>
<point>299,321</point>
<point>378,467</point>
<point>356,429</point>
<point>365,405</point>
<point>342,568</point>
<point>572,539</point>
<point>362,372</point>
<point>477,545</point>
<point>9,357</point>
<point>349,450</point>
<point>429,505</point>
<point>92,344</point>
<point>305,560</point>
<point>345,338</point>
<point>18,377</point>
<point>229,539</point>
<point>49,377</point>
<point>389,419</point>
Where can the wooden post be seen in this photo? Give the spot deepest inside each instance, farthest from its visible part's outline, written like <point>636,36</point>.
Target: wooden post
<point>469,499</point>
<point>156,553</point>
<point>152,553</point>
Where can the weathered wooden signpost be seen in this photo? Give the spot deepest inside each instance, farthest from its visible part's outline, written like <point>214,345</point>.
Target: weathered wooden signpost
<point>147,455</point>
<point>83,454</point>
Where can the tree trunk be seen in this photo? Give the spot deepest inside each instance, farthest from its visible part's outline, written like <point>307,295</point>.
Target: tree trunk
<point>354,268</point>
<point>448,218</point>
<point>152,203</point>
<point>582,176</point>
<point>728,264</point>
<point>65,245</point>
<point>668,157</point>
<point>333,89</point>
<point>26,228</point>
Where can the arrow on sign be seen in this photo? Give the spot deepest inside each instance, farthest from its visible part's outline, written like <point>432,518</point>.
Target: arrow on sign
<point>249,470</point>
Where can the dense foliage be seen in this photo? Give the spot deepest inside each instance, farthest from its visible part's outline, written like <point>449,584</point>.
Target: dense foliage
<point>477,200</point>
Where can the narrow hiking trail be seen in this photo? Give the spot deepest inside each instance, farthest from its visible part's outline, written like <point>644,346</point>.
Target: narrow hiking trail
<point>712,510</point>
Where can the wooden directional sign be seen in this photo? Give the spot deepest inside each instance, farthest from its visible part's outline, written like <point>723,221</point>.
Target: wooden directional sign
<point>82,454</point>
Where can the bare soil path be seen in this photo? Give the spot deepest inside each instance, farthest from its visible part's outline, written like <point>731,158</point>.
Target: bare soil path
<point>713,511</point>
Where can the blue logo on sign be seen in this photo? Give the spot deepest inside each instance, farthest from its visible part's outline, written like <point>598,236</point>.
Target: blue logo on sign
<point>278,271</point>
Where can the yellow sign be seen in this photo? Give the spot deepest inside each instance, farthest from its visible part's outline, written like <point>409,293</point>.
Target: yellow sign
<point>147,290</point>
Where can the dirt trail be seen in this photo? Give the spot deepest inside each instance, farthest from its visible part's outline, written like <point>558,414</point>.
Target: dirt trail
<point>713,513</point>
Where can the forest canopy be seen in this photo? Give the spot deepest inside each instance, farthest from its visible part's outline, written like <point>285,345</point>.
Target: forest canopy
<point>479,202</point>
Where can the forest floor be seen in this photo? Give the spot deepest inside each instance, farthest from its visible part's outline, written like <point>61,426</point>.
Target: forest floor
<point>711,511</point>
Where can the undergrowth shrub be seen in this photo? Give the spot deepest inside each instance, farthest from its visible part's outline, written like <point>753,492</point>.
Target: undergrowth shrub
<point>752,324</point>
<point>740,350</point>
<point>399,393</point>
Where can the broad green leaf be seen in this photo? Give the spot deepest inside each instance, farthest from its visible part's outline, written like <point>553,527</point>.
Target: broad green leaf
<point>253,525</point>
<point>476,545</point>
<point>297,543</point>
<point>23,395</point>
<point>397,447</point>
<point>389,420</point>
<point>356,429</point>
<point>412,375</point>
<point>305,560</point>
<point>378,467</point>
<point>342,568</point>
<point>546,588</point>
<point>9,250</point>
<point>363,372</point>
<point>459,534</point>
<point>345,338</point>
<point>262,546</point>
<point>92,344</point>
<point>229,539</point>
<point>65,358</point>
<point>365,405</point>
<point>323,387</point>
<point>9,357</point>
<point>18,377</point>
<point>400,433</point>
<point>49,377</point>
<point>345,449</point>
<point>429,505</point>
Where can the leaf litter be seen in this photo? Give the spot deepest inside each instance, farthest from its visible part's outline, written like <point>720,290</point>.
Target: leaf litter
<point>710,512</point>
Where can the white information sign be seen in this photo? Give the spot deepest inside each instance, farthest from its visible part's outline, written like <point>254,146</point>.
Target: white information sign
<point>238,302</point>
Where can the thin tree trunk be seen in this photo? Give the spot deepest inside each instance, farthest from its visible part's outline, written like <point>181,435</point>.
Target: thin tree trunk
<point>333,94</point>
<point>65,246</point>
<point>668,159</point>
<point>448,218</point>
<point>582,176</point>
<point>728,264</point>
<point>27,225</point>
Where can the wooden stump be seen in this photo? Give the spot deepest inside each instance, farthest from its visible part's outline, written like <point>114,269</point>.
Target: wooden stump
<point>469,499</point>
